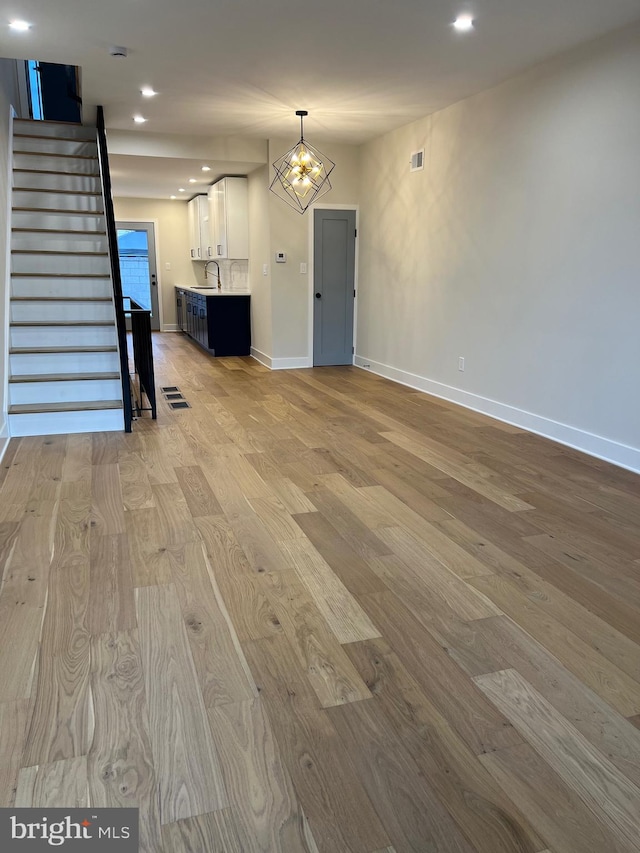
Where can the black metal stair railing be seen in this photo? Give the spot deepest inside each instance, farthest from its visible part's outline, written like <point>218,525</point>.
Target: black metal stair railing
<point>142,357</point>
<point>112,236</point>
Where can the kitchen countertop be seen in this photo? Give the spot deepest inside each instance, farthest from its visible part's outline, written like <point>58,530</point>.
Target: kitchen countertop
<point>212,291</point>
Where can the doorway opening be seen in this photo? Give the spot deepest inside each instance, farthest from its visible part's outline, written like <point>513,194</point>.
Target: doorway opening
<point>54,91</point>
<point>137,253</point>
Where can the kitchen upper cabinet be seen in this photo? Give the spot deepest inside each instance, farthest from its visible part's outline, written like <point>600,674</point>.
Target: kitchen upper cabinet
<point>200,242</point>
<point>229,218</point>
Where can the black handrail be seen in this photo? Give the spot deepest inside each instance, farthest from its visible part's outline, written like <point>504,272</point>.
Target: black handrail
<point>142,356</point>
<point>112,235</point>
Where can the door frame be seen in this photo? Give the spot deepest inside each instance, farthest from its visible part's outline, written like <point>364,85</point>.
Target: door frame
<point>310,273</point>
<point>137,220</point>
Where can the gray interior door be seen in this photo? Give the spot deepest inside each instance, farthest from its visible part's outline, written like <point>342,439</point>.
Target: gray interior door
<point>137,251</point>
<point>334,252</point>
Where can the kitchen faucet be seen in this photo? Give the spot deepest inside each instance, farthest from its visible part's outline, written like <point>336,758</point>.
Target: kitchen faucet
<point>213,261</point>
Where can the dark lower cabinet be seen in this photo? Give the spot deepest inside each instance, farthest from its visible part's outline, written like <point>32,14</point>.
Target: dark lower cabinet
<point>180,309</point>
<point>221,324</point>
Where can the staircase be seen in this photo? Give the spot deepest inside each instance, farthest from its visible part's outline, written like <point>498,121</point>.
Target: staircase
<point>64,369</point>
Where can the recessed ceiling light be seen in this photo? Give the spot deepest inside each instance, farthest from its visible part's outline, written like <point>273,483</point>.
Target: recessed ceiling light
<point>463,23</point>
<point>182,190</point>
<point>148,92</point>
<point>192,181</point>
<point>19,26</point>
<point>206,168</point>
<point>139,119</point>
<point>173,196</point>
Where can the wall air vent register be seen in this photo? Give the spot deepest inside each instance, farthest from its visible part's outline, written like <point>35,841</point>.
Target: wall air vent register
<point>417,161</point>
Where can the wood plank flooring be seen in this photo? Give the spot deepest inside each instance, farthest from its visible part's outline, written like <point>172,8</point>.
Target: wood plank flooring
<point>321,612</point>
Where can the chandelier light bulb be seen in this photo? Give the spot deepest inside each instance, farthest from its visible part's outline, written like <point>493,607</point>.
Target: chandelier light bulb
<point>463,23</point>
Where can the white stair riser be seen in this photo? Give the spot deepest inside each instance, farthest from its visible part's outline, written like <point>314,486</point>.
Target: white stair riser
<point>55,164</point>
<point>59,423</point>
<point>66,264</point>
<point>44,219</point>
<point>82,312</point>
<point>45,128</point>
<point>50,145</point>
<point>36,242</point>
<point>52,181</point>
<point>56,201</point>
<point>70,287</point>
<point>22,364</point>
<point>64,392</point>
<point>62,336</point>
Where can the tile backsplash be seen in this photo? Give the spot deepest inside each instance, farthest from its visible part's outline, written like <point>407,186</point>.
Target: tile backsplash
<point>234,275</point>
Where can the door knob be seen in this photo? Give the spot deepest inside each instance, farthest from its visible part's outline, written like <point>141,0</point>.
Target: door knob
<point>318,296</point>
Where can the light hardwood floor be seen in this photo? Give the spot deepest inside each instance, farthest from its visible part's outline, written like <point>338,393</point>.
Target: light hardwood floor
<point>318,611</point>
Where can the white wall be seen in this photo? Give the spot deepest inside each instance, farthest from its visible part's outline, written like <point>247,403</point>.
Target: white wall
<point>172,245</point>
<point>8,97</point>
<point>259,255</point>
<point>517,248</point>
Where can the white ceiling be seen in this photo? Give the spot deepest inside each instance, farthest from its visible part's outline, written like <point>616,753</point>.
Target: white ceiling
<point>134,176</point>
<point>242,67</point>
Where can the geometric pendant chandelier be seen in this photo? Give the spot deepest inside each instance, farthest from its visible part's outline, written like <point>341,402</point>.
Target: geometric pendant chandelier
<point>302,174</point>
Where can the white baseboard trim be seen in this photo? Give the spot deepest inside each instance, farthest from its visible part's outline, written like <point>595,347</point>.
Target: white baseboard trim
<point>261,357</point>
<point>594,445</point>
<point>170,327</point>
<point>279,363</point>
<point>4,438</point>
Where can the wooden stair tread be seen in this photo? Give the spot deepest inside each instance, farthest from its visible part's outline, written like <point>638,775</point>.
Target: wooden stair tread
<point>55,154</point>
<point>63,377</point>
<point>56,252</point>
<point>52,136</point>
<point>39,121</point>
<point>78,406</point>
<point>59,275</point>
<point>56,231</point>
<point>58,350</point>
<point>58,210</point>
<point>62,323</point>
<point>61,299</point>
<point>49,190</point>
<point>56,172</point>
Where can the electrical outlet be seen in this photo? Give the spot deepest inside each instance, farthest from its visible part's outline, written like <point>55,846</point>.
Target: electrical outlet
<point>461,363</point>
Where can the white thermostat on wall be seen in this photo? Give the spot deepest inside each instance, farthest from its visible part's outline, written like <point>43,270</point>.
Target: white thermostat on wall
<point>281,257</point>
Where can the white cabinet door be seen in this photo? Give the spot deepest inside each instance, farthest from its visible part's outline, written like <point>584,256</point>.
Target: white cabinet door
<point>229,218</point>
<point>217,219</point>
<point>205,241</point>
<point>193,215</point>
<point>200,242</point>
